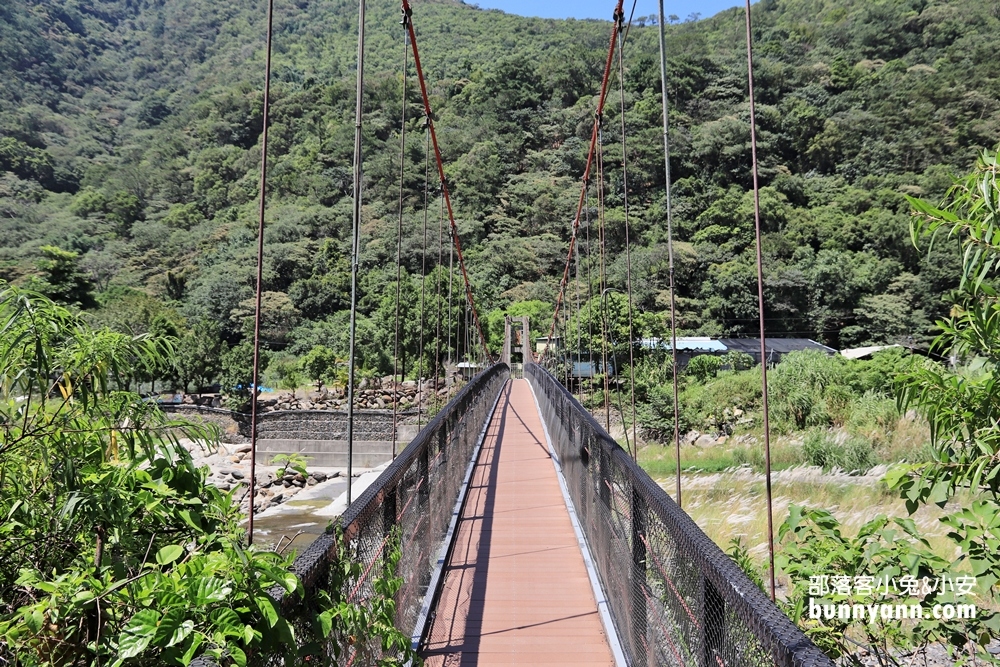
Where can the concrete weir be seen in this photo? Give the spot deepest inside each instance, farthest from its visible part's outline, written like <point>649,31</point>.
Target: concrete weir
<point>319,435</point>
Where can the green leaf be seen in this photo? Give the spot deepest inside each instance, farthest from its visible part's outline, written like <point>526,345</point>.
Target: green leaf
<point>895,475</point>
<point>189,654</point>
<point>227,621</point>
<point>169,554</point>
<point>210,589</point>
<point>181,633</point>
<point>268,609</point>
<point>171,620</point>
<point>189,519</point>
<point>238,656</point>
<point>326,622</point>
<point>34,621</point>
<point>138,633</point>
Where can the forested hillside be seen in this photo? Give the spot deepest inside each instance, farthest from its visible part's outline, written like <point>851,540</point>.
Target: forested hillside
<point>130,149</point>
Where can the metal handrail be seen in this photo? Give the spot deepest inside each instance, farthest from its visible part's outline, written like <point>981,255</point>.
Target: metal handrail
<point>674,596</point>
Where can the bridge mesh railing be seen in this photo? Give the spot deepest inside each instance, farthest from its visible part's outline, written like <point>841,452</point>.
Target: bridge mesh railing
<point>674,596</point>
<point>413,498</point>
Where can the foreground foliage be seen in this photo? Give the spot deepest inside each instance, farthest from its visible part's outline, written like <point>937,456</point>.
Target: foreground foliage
<point>113,549</point>
<point>961,404</point>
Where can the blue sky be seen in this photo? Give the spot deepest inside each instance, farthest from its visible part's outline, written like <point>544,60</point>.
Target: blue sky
<point>602,9</point>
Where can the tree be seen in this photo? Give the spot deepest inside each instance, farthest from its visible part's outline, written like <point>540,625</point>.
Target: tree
<point>61,278</point>
<point>320,365</point>
<point>961,403</point>
<point>113,547</point>
<point>278,316</point>
<point>236,377</point>
<point>198,354</point>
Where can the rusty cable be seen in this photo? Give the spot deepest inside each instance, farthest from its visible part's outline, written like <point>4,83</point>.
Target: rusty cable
<point>444,183</point>
<point>356,244</point>
<point>586,172</point>
<point>399,248</point>
<point>670,250</point>
<point>628,251</point>
<point>760,303</point>
<point>260,270</point>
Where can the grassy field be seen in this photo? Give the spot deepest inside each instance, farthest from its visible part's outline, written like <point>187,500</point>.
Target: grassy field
<point>730,505</point>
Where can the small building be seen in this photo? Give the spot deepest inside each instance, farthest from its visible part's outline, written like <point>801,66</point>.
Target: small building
<point>776,348</point>
<point>468,369</point>
<point>864,352</point>
<point>589,365</point>
<point>688,347</point>
<point>542,344</point>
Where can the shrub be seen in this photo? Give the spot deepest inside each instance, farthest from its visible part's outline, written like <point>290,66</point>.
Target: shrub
<point>114,550</point>
<point>854,455</point>
<point>703,367</point>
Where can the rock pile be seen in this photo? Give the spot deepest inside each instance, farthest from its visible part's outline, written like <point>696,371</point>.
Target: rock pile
<point>272,490</point>
<point>231,471</point>
<point>380,397</point>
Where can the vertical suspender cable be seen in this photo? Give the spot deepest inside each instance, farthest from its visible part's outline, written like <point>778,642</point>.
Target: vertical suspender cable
<point>602,278</point>
<point>423,284</point>
<point>260,271</point>
<point>760,302</point>
<point>578,364</point>
<point>590,295</point>
<point>437,320</point>
<point>628,251</point>
<point>355,245</point>
<point>594,137</point>
<point>399,245</point>
<point>451,312</point>
<point>670,247</point>
<point>444,185</point>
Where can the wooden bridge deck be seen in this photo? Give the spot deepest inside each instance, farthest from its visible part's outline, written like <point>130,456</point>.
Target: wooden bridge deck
<point>515,590</point>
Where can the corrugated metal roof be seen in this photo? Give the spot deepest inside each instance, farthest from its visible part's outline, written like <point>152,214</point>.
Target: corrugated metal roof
<point>777,345</point>
<point>702,343</point>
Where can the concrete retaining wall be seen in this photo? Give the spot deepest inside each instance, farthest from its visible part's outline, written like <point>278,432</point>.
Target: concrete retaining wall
<point>320,435</point>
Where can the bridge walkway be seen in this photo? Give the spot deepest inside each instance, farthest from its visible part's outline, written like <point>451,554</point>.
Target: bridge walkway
<point>515,589</point>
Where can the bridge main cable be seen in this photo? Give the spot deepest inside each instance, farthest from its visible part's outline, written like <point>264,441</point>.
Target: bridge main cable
<point>619,16</point>
<point>408,12</point>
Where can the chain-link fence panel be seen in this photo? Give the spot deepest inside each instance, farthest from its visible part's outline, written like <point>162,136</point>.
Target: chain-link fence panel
<point>675,597</point>
<point>414,498</point>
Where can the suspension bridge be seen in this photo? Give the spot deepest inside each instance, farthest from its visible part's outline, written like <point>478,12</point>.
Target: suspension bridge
<point>527,534</point>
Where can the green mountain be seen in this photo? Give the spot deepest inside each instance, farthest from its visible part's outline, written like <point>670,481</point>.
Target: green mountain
<point>130,136</point>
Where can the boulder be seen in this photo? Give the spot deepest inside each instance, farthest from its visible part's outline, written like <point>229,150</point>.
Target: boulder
<point>704,441</point>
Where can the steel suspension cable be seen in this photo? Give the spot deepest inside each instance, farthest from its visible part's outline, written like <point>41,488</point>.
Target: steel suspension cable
<point>423,270</point>
<point>579,345</point>
<point>451,307</point>
<point>260,270</point>
<point>670,249</point>
<point>444,183</point>
<point>399,246</point>
<point>437,323</point>
<point>586,172</point>
<point>760,303</point>
<point>628,250</point>
<point>590,295</point>
<point>602,283</point>
<point>355,245</point>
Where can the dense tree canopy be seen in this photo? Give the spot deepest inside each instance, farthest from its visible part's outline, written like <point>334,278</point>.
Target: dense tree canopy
<point>130,146</point>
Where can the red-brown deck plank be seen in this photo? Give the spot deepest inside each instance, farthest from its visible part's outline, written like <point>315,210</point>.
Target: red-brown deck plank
<point>515,590</point>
